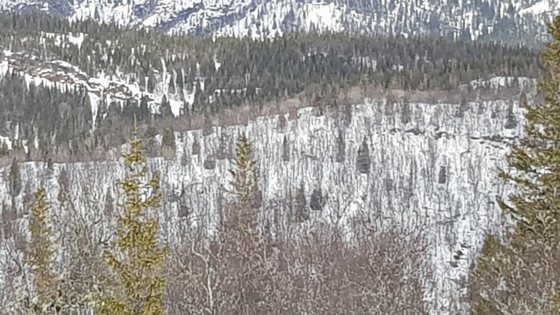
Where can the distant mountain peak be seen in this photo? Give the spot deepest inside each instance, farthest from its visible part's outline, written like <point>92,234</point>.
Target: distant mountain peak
<point>511,21</point>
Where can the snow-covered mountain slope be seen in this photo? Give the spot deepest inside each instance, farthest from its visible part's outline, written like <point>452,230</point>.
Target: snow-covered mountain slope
<point>432,166</point>
<point>505,20</point>
<point>106,88</point>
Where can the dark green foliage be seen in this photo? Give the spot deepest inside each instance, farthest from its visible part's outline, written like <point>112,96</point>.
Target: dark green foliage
<point>165,108</point>
<point>340,147</point>
<point>463,107</point>
<point>442,175</point>
<point>210,162</point>
<point>185,158</point>
<point>63,185</point>
<point>244,181</point>
<point>317,201</point>
<point>300,210</point>
<point>4,150</point>
<point>511,121</point>
<point>15,178</point>
<point>406,112</point>
<point>137,258</point>
<point>151,132</point>
<point>285,150</point>
<point>168,139</point>
<point>221,151</point>
<point>363,162</point>
<point>250,71</point>
<point>196,147</point>
<point>527,263</point>
<point>53,290</point>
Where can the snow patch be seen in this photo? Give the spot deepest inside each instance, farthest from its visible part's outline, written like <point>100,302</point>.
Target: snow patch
<point>7,141</point>
<point>537,9</point>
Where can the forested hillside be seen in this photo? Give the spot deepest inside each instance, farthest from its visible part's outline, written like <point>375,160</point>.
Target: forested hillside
<point>413,184</point>
<point>313,173</point>
<point>73,86</point>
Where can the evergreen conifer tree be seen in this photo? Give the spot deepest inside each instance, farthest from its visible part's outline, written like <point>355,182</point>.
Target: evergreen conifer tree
<point>363,161</point>
<point>15,178</point>
<point>522,274</point>
<point>137,259</point>
<point>244,182</point>
<point>49,292</point>
<point>40,253</point>
<point>243,243</point>
<point>301,210</point>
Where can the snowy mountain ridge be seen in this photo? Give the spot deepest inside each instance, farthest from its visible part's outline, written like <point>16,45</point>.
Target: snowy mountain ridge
<point>512,21</point>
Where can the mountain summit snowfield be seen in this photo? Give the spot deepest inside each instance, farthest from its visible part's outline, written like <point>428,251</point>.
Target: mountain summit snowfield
<point>512,21</point>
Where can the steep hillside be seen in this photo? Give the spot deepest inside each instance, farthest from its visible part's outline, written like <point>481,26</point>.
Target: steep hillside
<point>73,88</point>
<point>70,91</point>
<point>510,21</point>
<point>424,166</point>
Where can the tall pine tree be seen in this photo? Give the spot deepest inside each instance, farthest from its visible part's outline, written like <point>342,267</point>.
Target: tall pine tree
<point>137,259</point>
<point>243,213</point>
<point>15,178</point>
<point>40,256</point>
<point>522,275</point>
<point>243,243</point>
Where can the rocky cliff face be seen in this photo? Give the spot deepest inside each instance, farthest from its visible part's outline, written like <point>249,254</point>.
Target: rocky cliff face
<point>422,166</point>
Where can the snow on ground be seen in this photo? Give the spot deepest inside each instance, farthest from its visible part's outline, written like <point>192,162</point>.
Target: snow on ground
<point>501,82</point>
<point>109,88</point>
<point>436,172</point>
<point>538,8</point>
<point>117,87</point>
<point>63,38</point>
<point>7,141</point>
<point>77,40</point>
<point>4,66</point>
<point>325,16</point>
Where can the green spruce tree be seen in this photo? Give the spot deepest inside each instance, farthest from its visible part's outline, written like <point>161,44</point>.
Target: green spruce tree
<point>41,252</point>
<point>521,275</point>
<point>243,245</point>
<point>137,258</point>
<point>40,255</point>
<point>15,178</point>
<point>363,161</point>
<point>243,213</point>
